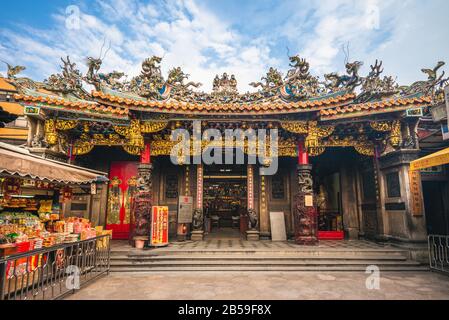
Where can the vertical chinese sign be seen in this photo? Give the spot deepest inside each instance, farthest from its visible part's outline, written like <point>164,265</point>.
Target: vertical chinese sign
<point>122,187</point>
<point>415,192</point>
<point>159,226</point>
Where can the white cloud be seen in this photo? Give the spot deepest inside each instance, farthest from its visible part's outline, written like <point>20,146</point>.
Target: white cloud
<point>407,35</point>
<point>411,35</point>
<point>183,33</point>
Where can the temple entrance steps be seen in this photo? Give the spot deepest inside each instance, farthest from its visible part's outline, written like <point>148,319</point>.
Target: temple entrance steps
<point>238,255</point>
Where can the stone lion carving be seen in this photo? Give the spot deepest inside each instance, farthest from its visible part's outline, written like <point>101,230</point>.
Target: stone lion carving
<point>198,220</point>
<point>253,221</point>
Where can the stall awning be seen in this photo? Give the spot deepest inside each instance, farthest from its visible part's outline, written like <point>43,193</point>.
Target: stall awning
<point>436,159</point>
<point>12,107</point>
<point>15,161</point>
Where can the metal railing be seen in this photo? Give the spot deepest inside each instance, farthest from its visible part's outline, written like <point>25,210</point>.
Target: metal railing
<point>439,253</point>
<point>52,273</point>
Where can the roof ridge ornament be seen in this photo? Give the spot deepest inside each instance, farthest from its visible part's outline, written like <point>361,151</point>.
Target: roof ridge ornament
<point>299,85</point>
<point>224,85</point>
<point>68,81</point>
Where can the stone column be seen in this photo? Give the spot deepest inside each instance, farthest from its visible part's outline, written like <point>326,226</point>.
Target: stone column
<point>198,214</point>
<point>305,212</point>
<point>143,201</point>
<point>252,234</point>
<point>401,223</point>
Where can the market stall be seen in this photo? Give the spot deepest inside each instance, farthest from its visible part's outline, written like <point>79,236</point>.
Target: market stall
<point>33,195</point>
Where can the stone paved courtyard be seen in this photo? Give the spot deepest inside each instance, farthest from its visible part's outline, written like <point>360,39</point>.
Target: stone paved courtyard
<point>265,286</point>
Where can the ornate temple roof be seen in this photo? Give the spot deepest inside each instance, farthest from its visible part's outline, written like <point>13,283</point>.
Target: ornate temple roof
<point>259,107</point>
<point>336,96</point>
<point>5,85</point>
<point>370,108</point>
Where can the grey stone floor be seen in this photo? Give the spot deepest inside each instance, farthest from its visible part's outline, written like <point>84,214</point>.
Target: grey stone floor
<point>238,244</point>
<point>265,286</point>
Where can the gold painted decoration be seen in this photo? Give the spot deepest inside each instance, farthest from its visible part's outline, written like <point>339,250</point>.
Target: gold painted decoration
<point>315,134</point>
<point>396,134</point>
<point>83,145</point>
<point>298,127</point>
<point>320,131</point>
<point>365,149</point>
<point>51,136</point>
<point>316,151</point>
<point>135,138</point>
<point>152,127</point>
<point>65,125</point>
<point>381,126</point>
<point>122,130</point>
<point>133,150</point>
<point>107,140</point>
<point>360,144</point>
<point>114,203</point>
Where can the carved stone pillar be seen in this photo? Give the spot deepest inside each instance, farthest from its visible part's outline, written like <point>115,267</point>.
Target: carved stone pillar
<point>143,201</point>
<point>305,213</point>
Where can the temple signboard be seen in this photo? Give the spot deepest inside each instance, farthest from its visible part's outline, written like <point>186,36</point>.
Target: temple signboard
<point>185,209</point>
<point>159,226</point>
<point>31,110</point>
<point>415,193</point>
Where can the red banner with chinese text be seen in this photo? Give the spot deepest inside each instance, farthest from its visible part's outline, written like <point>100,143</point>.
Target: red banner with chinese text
<point>159,226</point>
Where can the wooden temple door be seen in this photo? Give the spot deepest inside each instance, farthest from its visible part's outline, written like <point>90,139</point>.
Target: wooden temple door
<point>122,188</point>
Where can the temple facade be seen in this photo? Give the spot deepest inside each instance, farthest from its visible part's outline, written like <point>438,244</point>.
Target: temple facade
<point>342,146</point>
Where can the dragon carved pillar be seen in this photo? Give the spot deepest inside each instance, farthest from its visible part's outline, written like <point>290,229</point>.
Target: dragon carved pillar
<point>143,201</point>
<point>305,213</point>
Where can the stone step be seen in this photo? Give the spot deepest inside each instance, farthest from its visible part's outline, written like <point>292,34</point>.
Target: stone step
<point>361,268</point>
<point>256,257</point>
<point>258,263</point>
<point>260,252</point>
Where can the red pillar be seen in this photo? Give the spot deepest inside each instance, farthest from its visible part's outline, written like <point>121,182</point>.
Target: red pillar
<point>145,157</point>
<point>303,156</point>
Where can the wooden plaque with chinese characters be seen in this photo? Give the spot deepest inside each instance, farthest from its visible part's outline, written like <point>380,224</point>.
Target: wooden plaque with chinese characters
<point>416,193</point>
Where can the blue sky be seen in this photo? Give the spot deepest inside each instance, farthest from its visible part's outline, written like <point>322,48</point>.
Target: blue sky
<point>235,36</point>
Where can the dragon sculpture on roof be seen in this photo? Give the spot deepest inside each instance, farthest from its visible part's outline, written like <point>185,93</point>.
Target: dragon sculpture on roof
<point>297,85</point>
<point>69,81</point>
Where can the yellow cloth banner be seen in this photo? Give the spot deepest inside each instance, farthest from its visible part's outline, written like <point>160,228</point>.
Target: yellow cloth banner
<point>436,159</point>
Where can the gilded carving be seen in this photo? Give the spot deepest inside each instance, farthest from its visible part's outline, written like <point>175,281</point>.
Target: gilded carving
<point>152,127</point>
<point>121,130</point>
<point>298,127</point>
<point>83,145</point>
<point>133,150</point>
<point>381,126</point>
<point>51,136</point>
<point>65,125</point>
<point>107,140</point>
<point>396,134</point>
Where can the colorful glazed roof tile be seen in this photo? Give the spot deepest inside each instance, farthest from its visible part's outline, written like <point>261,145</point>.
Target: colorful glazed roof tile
<point>54,102</point>
<point>12,107</point>
<point>173,105</point>
<point>5,85</point>
<point>370,108</point>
